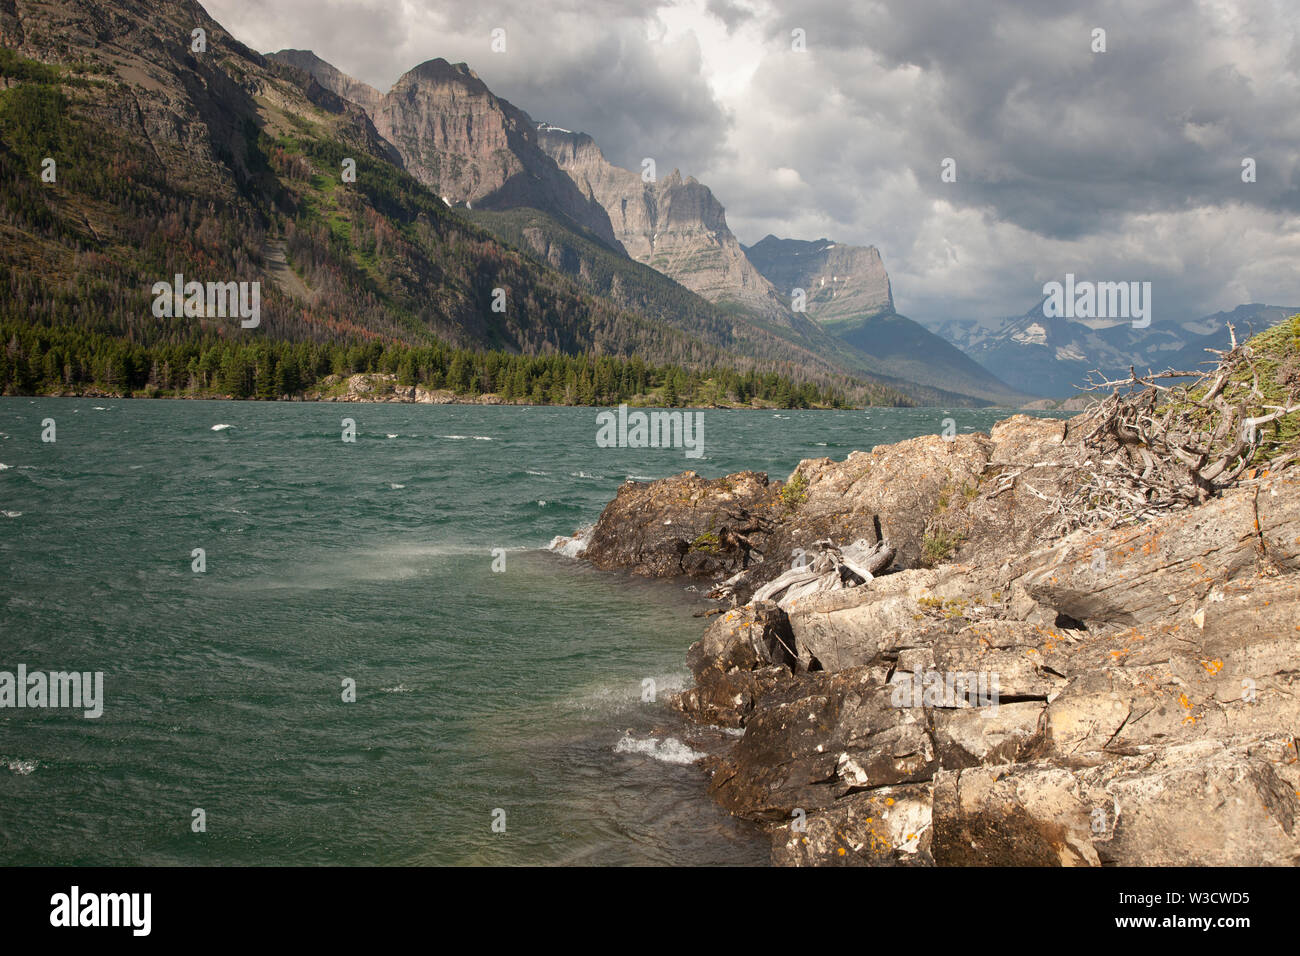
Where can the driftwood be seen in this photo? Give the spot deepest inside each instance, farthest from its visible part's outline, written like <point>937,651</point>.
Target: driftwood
<point>1170,440</point>
<point>832,569</point>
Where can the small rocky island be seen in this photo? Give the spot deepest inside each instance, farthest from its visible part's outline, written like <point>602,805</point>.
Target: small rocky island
<point>1127,582</point>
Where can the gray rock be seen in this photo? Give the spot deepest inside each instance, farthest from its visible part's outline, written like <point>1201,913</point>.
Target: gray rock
<point>885,827</point>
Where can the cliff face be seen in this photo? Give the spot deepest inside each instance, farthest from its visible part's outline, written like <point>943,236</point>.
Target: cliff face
<point>183,105</point>
<point>471,146</point>
<point>333,79</point>
<point>847,291</point>
<point>463,142</point>
<point>674,225</point>
<point>841,281</point>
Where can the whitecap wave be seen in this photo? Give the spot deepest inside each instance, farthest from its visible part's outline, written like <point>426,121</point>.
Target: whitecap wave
<point>3,466</point>
<point>531,472</point>
<point>640,478</point>
<point>668,750</point>
<point>11,514</point>
<point>221,428</point>
<point>390,436</point>
<point>21,767</point>
<point>618,696</point>
<point>394,485</point>
<point>583,474</point>
<point>571,546</point>
<point>399,689</point>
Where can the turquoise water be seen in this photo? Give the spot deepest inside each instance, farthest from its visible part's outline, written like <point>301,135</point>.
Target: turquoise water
<point>372,561</point>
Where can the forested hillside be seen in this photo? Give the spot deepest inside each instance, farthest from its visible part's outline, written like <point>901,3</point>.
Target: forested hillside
<point>223,166</point>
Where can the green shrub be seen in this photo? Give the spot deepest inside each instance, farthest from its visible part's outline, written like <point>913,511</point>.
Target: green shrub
<point>795,492</point>
<point>938,544</point>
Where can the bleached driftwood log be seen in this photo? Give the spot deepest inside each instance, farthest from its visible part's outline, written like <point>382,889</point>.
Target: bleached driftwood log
<point>832,569</point>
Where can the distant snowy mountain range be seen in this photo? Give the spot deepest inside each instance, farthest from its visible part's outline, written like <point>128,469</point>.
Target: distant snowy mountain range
<point>1050,356</point>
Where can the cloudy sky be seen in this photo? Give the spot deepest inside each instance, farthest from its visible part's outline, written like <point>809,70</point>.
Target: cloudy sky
<point>1119,165</point>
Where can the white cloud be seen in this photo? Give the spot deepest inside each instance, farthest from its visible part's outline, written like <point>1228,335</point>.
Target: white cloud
<point>1117,165</point>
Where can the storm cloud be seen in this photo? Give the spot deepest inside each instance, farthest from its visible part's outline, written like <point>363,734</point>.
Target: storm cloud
<point>1123,164</point>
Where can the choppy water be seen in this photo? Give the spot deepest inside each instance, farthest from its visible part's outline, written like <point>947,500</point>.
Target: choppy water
<point>372,561</point>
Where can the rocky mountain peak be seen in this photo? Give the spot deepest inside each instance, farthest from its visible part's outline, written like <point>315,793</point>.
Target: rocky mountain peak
<point>333,79</point>
<point>461,140</point>
<point>841,281</point>
<point>438,71</point>
<point>674,225</point>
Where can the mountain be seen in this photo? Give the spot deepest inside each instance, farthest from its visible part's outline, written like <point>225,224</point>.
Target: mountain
<point>674,225</point>
<point>847,291</point>
<point>1211,331</point>
<point>641,289</point>
<point>437,113</point>
<point>842,283</point>
<point>650,293</point>
<point>963,333</point>
<point>466,144</point>
<point>334,80</point>
<point>223,165</point>
<point>666,238</point>
<point>1051,356</point>
<point>679,228</point>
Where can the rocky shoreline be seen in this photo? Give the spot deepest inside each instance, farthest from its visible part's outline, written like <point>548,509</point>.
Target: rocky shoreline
<point>1144,676</point>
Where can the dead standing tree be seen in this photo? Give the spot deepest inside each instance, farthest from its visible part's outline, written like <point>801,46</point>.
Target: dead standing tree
<point>1164,441</point>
